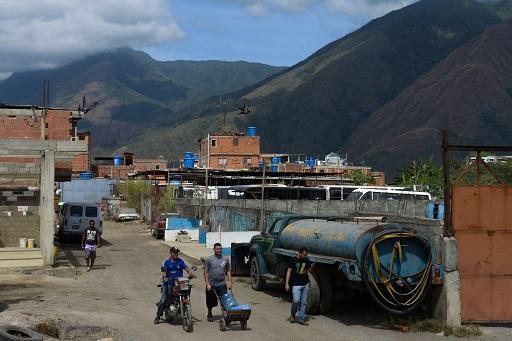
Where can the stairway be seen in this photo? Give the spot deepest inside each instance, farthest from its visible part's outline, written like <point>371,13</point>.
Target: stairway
<point>17,258</point>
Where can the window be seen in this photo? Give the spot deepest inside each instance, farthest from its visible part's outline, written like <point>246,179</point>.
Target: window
<point>223,161</point>
<point>235,141</point>
<point>157,166</point>
<point>247,162</point>
<point>91,212</point>
<point>75,211</point>
<point>214,143</point>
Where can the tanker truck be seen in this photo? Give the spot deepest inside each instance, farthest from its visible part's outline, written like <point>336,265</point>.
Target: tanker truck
<point>386,261</point>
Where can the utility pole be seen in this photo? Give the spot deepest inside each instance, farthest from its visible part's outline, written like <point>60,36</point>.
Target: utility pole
<point>262,211</point>
<point>206,173</point>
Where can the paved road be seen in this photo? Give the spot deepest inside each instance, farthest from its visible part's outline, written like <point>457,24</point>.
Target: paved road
<point>121,293</point>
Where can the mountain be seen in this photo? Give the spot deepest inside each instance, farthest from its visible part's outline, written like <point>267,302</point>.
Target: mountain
<point>134,91</point>
<point>469,93</point>
<point>314,106</point>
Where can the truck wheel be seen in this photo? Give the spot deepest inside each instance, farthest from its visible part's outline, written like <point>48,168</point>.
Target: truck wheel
<point>313,305</point>
<point>257,282</point>
<point>326,292</point>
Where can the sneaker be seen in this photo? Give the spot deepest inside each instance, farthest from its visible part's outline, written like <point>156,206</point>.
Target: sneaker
<point>209,317</point>
<point>157,320</point>
<point>291,319</point>
<point>304,323</point>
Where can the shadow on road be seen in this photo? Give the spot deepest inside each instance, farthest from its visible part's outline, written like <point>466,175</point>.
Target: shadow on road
<point>71,250</point>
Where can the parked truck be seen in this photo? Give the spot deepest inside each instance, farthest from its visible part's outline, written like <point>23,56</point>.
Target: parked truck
<point>388,261</point>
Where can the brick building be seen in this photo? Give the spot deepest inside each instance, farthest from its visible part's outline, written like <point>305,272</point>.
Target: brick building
<point>131,166</point>
<point>234,152</point>
<point>35,123</point>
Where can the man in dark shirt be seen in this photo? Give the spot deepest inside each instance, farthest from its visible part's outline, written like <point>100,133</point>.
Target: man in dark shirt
<point>172,268</point>
<point>90,241</point>
<point>298,269</point>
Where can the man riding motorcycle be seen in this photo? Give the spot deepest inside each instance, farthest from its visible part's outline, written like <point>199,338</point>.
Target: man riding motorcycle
<point>172,268</point>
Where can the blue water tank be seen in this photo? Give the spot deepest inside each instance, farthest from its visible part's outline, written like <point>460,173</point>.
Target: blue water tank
<point>435,211</point>
<point>86,175</point>
<point>261,165</point>
<point>228,301</point>
<point>275,163</point>
<point>311,162</point>
<point>251,131</point>
<point>118,160</point>
<point>202,235</point>
<point>188,160</point>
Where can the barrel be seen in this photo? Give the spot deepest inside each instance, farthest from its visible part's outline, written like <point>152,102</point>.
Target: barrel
<point>275,163</point>
<point>188,160</point>
<point>228,301</point>
<point>311,162</point>
<point>251,131</point>
<point>86,175</point>
<point>435,210</point>
<point>118,160</point>
<point>261,165</point>
<point>23,242</point>
<point>351,240</point>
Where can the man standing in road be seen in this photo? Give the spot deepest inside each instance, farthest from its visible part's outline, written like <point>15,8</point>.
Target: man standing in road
<point>172,268</point>
<point>216,269</point>
<point>298,269</point>
<point>90,241</point>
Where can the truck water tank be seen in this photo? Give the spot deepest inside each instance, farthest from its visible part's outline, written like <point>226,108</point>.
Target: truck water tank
<point>251,131</point>
<point>351,240</point>
<point>275,163</point>
<point>118,160</point>
<point>188,160</point>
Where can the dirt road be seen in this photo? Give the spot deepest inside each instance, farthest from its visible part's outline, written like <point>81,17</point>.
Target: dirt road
<point>118,299</point>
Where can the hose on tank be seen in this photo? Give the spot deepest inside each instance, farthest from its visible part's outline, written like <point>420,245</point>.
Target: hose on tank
<point>388,288</point>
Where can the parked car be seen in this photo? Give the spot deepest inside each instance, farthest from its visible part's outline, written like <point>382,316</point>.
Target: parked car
<point>158,227</point>
<point>126,214</point>
<point>74,218</point>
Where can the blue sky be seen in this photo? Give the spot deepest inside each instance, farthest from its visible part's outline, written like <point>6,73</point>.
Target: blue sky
<point>50,33</point>
<point>228,31</point>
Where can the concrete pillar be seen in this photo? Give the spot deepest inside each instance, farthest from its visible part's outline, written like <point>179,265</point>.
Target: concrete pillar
<point>46,209</point>
<point>447,307</point>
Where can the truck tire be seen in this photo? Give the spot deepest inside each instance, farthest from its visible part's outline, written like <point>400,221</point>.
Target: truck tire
<point>326,292</point>
<point>313,305</point>
<point>15,333</point>
<point>257,282</point>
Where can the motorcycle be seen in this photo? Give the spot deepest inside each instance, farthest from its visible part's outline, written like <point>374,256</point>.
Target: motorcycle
<point>178,302</point>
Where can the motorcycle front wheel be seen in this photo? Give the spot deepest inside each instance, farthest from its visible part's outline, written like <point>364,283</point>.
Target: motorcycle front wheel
<point>187,319</point>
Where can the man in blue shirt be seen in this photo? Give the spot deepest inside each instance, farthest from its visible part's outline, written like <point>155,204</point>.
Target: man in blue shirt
<point>172,268</point>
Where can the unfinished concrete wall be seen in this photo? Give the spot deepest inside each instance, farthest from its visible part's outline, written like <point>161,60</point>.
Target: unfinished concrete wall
<point>19,202</point>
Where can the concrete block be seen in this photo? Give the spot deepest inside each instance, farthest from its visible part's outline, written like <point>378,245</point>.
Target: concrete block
<point>450,254</point>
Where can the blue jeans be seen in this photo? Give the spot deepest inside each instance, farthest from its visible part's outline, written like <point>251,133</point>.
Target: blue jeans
<point>163,299</point>
<point>300,299</point>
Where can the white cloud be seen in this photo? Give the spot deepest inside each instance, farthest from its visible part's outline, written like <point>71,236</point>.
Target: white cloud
<point>49,33</point>
<point>368,8</point>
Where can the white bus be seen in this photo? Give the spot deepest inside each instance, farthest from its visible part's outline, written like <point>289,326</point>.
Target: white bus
<point>342,192</point>
<point>387,194</point>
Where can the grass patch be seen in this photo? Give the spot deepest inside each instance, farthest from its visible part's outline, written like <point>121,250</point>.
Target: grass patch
<point>416,325</point>
<point>49,328</point>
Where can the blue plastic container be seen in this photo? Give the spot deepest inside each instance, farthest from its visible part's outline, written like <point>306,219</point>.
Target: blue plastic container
<point>261,165</point>
<point>435,210</point>
<point>251,131</point>
<point>226,251</point>
<point>275,163</point>
<point>188,160</point>
<point>86,175</point>
<point>241,307</point>
<point>228,301</point>
<point>118,160</point>
<point>311,162</point>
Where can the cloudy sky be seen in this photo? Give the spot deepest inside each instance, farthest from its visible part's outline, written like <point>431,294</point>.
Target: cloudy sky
<point>49,33</point>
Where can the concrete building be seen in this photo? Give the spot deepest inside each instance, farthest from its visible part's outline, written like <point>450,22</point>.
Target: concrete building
<point>131,165</point>
<point>233,152</point>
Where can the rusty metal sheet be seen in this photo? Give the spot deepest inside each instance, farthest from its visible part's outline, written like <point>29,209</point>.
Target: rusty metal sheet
<point>501,302</point>
<point>482,221</point>
<point>474,254</point>
<point>475,298</point>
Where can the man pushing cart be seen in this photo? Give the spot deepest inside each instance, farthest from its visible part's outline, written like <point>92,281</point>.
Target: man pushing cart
<point>216,270</point>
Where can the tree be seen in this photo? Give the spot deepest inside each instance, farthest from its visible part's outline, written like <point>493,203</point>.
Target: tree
<point>135,190</point>
<point>422,173</point>
<point>361,179</point>
<point>167,203</point>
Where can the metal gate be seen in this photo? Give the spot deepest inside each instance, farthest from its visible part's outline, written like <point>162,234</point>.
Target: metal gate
<point>482,223</point>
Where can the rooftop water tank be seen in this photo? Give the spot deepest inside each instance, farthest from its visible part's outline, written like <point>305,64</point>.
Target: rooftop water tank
<point>118,160</point>
<point>188,160</point>
<point>86,175</point>
<point>251,131</point>
<point>275,163</point>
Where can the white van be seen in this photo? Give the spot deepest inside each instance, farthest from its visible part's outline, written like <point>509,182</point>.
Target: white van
<point>74,218</point>
<point>387,194</point>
